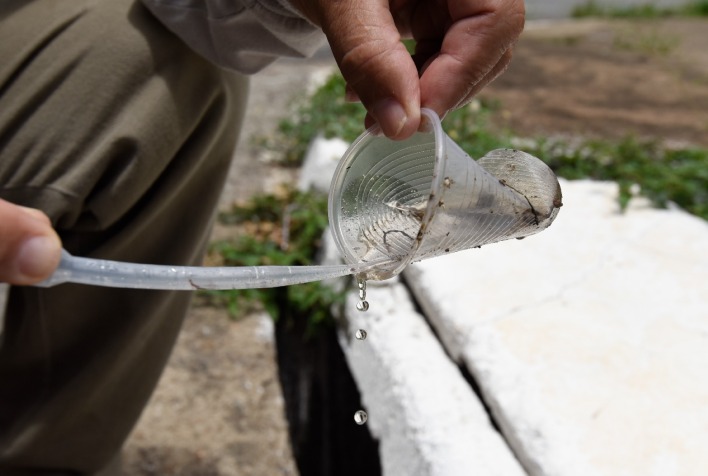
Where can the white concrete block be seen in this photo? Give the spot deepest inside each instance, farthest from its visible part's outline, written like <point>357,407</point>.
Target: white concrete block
<point>589,340</point>
<point>427,419</point>
<point>424,414</point>
<point>320,163</point>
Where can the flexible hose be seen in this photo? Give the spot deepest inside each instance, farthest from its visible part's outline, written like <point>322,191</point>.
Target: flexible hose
<point>145,276</point>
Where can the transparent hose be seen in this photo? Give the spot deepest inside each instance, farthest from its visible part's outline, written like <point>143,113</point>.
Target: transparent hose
<point>118,274</point>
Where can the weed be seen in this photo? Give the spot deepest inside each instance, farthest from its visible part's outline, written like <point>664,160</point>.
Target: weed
<point>647,40</point>
<point>469,128</point>
<point>282,230</point>
<point>593,8</point>
<point>326,112</point>
<point>698,8</point>
<point>663,175</point>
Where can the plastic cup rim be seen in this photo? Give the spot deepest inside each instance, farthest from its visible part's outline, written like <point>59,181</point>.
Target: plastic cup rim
<point>435,127</point>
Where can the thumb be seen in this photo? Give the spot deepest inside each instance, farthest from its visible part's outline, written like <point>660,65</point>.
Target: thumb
<point>30,249</point>
<point>374,62</point>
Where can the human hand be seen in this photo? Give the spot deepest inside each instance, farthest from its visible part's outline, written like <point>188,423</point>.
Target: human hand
<point>30,249</point>
<point>461,45</point>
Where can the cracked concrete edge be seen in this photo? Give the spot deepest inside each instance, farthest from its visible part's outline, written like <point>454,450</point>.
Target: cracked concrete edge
<point>518,415</point>
<point>421,409</point>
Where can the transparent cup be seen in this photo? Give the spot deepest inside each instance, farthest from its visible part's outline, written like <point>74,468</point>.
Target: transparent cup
<point>397,202</point>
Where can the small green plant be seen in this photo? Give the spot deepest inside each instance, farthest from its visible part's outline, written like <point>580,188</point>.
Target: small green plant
<point>469,128</point>
<point>663,175</point>
<point>592,8</point>
<point>284,229</point>
<point>595,9</point>
<point>326,112</point>
<point>697,9</point>
<point>646,40</point>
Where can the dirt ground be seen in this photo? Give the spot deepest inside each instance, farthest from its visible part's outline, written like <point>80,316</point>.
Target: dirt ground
<point>609,80</point>
<point>218,409</point>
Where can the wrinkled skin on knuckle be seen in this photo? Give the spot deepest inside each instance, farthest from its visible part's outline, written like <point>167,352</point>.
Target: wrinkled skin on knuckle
<point>364,56</point>
<point>360,42</point>
<point>513,24</point>
<point>364,67</point>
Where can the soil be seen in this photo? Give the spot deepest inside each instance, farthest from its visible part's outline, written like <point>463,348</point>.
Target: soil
<point>601,79</point>
<point>218,409</point>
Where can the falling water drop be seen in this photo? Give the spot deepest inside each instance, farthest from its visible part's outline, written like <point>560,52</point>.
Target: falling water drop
<point>360,417</point>
<point>360,334</point>
<point>363,304</point>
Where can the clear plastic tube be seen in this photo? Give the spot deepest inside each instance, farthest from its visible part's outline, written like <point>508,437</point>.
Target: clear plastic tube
<point>146,276</point>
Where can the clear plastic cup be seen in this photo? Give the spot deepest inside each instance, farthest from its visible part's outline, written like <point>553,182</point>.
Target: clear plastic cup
<point>397,202</point>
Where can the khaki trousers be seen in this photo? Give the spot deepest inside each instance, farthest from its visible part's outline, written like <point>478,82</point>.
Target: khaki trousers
<point>123,136</point>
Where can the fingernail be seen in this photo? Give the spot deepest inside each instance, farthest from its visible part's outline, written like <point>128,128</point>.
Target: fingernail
<point>38,256</point>
<point>391,117</point>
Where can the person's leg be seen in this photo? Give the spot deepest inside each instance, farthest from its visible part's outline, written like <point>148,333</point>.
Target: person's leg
<point>123,136</point>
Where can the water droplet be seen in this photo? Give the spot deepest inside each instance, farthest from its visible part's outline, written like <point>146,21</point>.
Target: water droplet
<point>360,334</point>
<point>362,305</point>
<point>360,417</point>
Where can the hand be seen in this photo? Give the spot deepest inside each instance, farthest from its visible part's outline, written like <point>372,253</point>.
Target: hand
<point>30,249</point>
<point>461,45</point>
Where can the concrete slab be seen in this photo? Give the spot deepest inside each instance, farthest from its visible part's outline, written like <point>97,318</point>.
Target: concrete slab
<point>320,163</point>
<point>589,340</point>
<point>421,409</point>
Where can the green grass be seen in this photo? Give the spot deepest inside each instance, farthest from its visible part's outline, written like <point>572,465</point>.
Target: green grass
<point>325,112</point>
<point>663,174</point>
<point>304,215</point>
<point>593,8</point>
<point>647,41</point>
